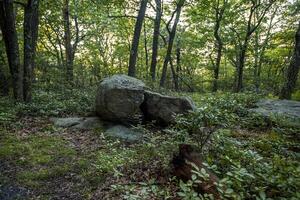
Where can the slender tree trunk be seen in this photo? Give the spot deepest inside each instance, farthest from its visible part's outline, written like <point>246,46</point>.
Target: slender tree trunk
<point>293,70</point>
<point>136,38</point>
<point>67,41</point>
<point>146,49</point>
<point>217,66</point>
<point>178,64</point>
<point>10,36</point>
<point>170,44</point>
<point>244,47</point>
<point>219,44</point>
<point>31,20</point>
<point>174,75</point>
<point>155,39</point>
<point>240,67</point>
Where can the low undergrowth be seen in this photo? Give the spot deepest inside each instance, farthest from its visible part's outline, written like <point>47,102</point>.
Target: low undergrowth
<point>255,157</point>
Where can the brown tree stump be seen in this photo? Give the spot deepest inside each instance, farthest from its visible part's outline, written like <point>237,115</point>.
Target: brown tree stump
<point>182,168</point>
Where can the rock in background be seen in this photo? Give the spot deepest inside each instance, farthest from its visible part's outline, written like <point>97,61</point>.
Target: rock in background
<point>285,108</point>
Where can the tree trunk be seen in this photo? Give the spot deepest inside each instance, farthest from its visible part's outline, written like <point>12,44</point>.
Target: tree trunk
<point>155,39</point>
<point>219,44</point>
<point>293,70</point>
<point>136,38</point>
<point>31,21</point>
<point>170,44</point>
<point>217,66</point>
<point>174,75</point>
<point>146,49</point>
<point>240,67</point>
<point>178,64</point>
<point>4,90</point>
<point>249,31</point>
<point>10,36</point>
<point>67,41</point>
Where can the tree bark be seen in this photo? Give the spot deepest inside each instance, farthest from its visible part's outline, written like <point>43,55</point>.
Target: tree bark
<point>31,21</point>
<point>146,49</point>
<point>178,65</point>
<point>4,89</point>
<point>10,36</point>
<point>136,38</point>
<point>67,41</point>
<point>170,43</point>
<point>174,75</point>
<point>293,70</point>
<point>155,39</point>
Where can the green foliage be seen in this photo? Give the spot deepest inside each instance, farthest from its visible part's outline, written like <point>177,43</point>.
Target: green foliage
<point>259,162</point>
<point>49,102</point>
<point>254,158</point>
<point>58,103</point>
<point>264,172</point>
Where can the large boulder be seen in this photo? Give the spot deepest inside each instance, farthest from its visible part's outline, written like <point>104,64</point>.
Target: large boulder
<point>163,108</point>
<point>119,98</point>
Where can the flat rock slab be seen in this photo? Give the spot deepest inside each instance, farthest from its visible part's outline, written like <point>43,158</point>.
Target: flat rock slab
<point>287,108</point>
<point>78,122</point>
<point>124,133</point>
<point>118,131</point>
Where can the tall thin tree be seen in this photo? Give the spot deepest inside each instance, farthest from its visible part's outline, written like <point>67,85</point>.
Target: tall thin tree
<point>136,38</point>
<point>170,43</point>
<point>31,21</point>
<point>243,45</point>
<point>67,41</point>
<point>219,13</point>
<point>155,39</point>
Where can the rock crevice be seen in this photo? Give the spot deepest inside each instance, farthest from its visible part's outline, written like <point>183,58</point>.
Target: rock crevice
<point>126,99</point>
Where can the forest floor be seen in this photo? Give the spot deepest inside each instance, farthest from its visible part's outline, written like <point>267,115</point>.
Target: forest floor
<point>256,157</point>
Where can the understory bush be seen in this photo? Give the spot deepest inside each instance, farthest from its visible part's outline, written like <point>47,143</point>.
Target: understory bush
<point>253,156</point>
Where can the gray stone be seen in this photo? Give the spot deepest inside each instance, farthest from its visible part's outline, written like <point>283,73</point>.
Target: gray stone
<point>123,133</point>
<point>66,122</point>
<point>286,108</point>
<point>163,108</point>
<point>78,122</point>
<point>119,98</point>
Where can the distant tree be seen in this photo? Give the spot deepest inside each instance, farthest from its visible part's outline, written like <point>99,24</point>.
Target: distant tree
<point>243,43</point>
<point>155,39</point>
<point>172,35</point>
<point>262,37</point>
<point>136,38</point>
<point>292,70</point>
<point>219,13</point>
